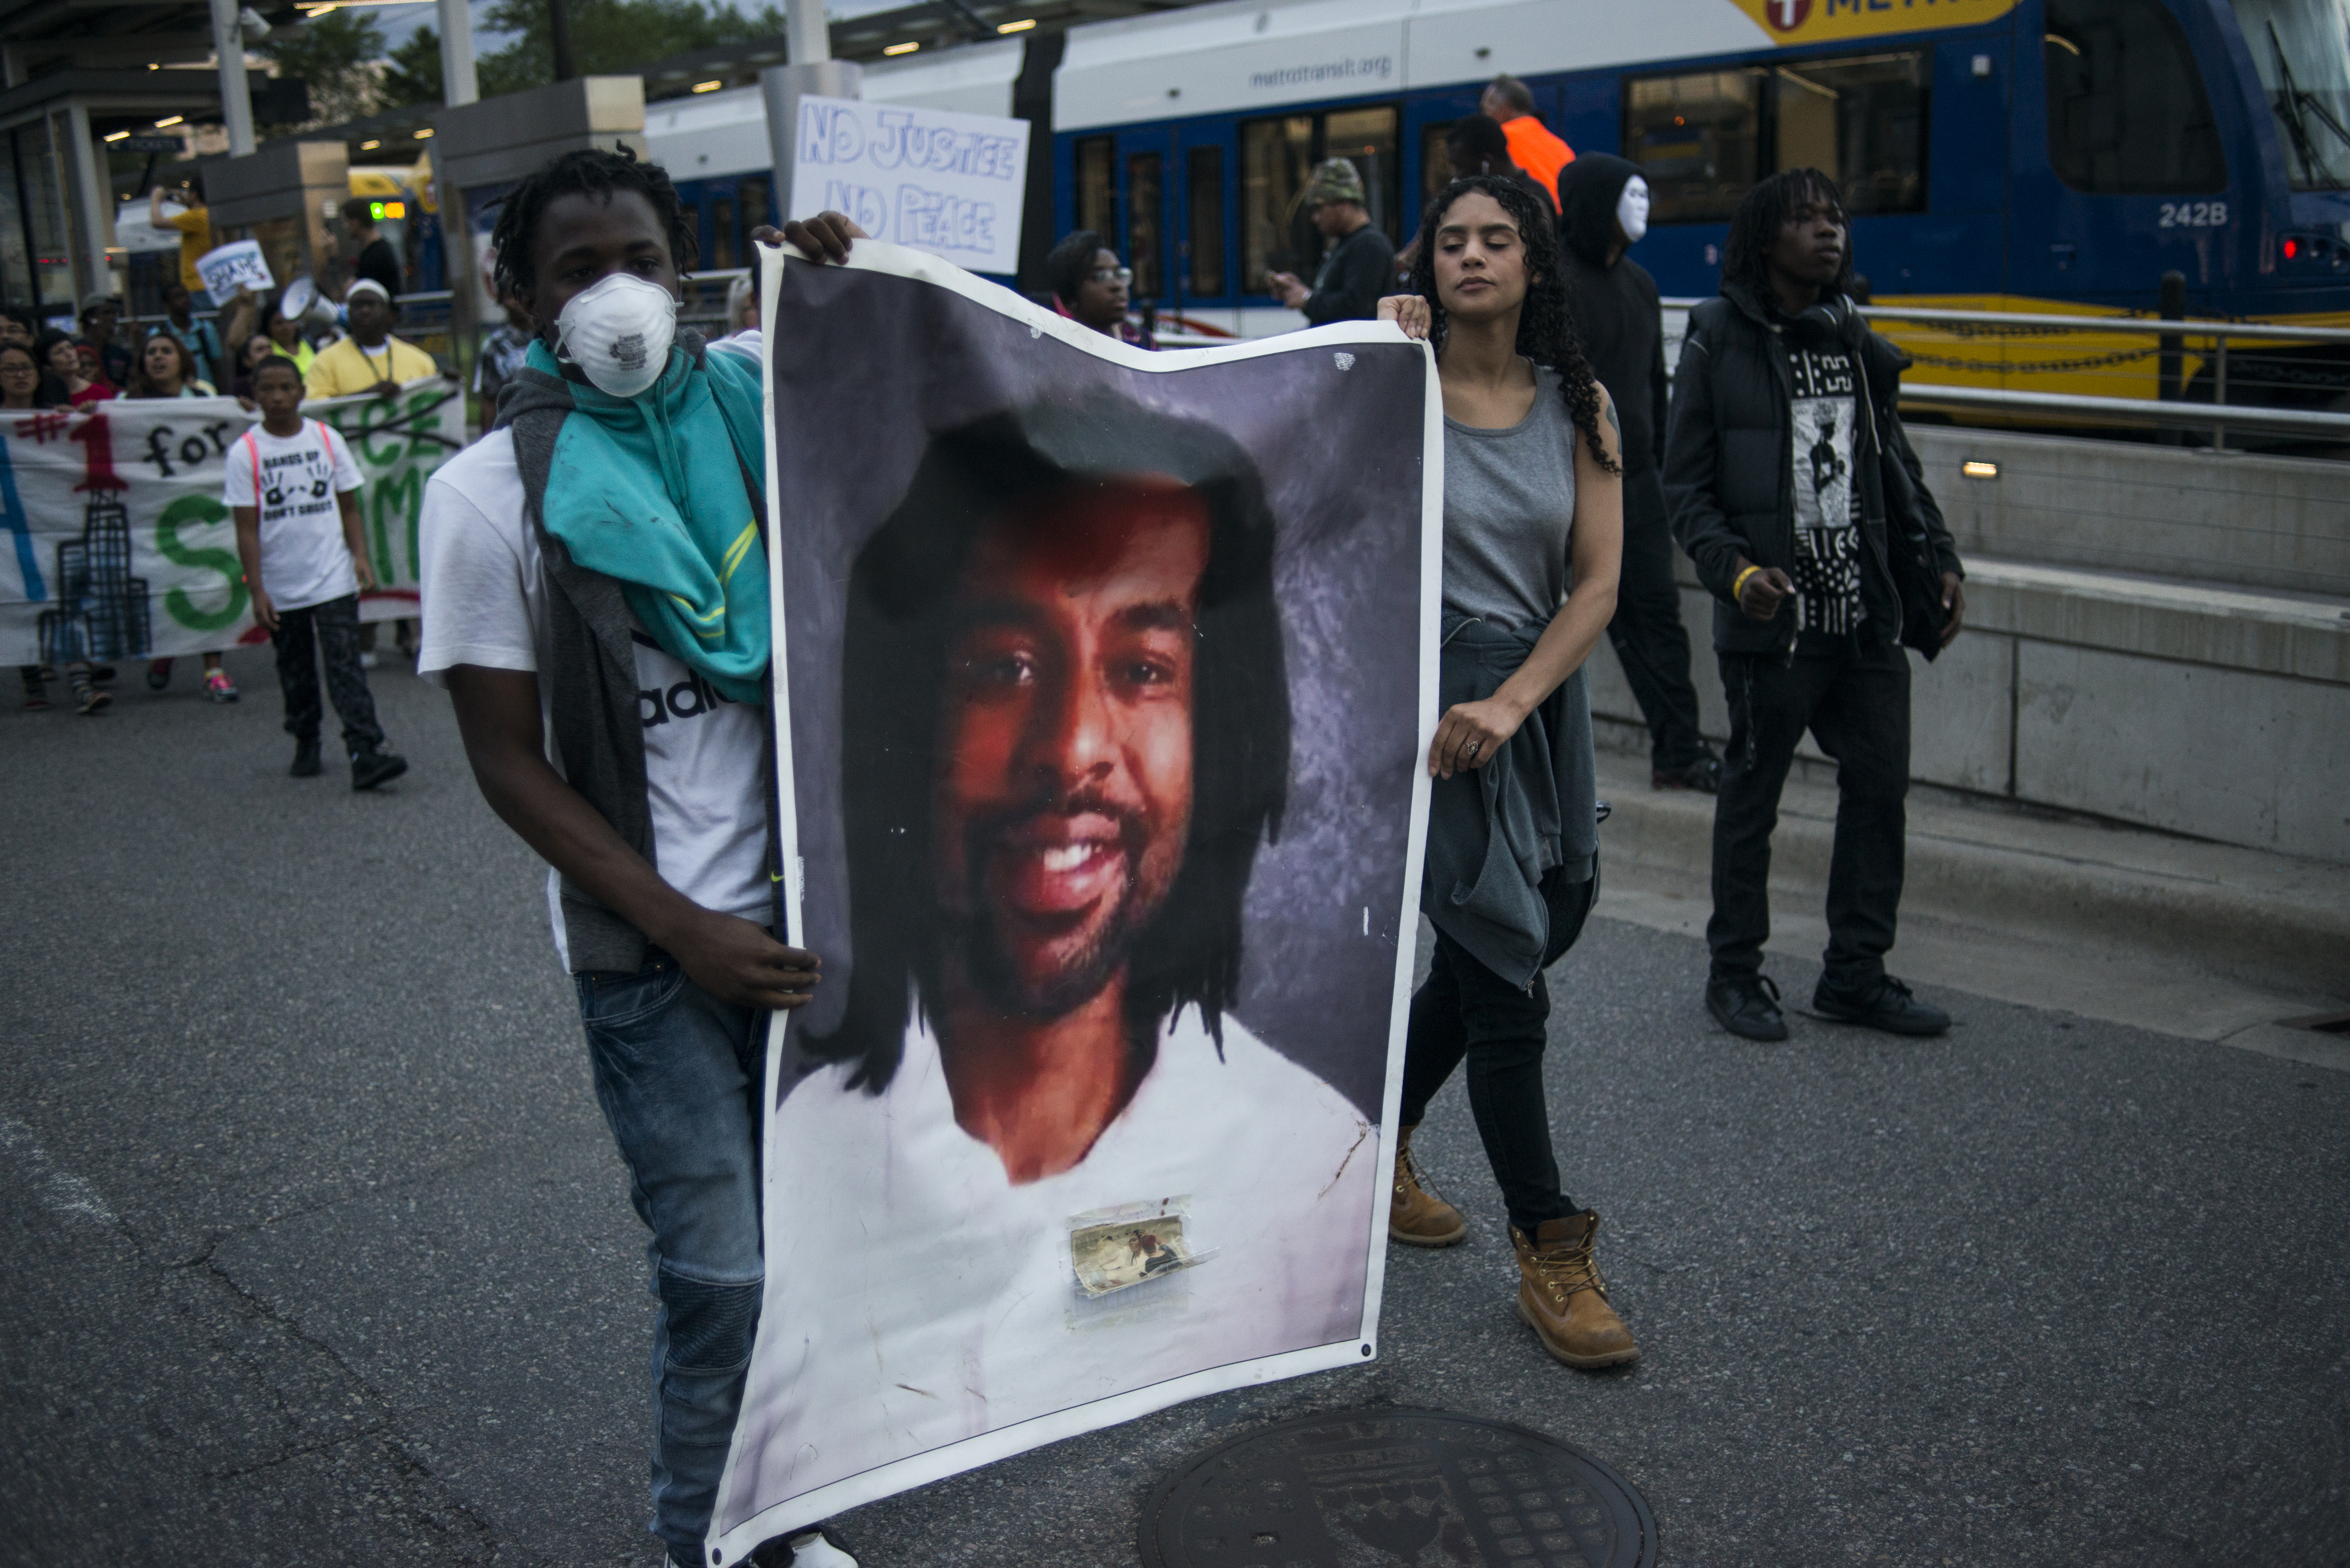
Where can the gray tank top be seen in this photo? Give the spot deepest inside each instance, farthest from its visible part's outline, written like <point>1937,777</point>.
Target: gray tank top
<point>1509,507</point>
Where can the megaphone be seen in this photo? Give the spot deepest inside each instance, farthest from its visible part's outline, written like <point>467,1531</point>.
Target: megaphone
<point>304,304</point>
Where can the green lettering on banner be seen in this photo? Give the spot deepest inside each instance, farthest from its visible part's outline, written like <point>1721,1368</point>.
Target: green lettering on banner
<point>420,444</point>
<point>364,442</point>
<point>203,511</point>
<point>397,498</point>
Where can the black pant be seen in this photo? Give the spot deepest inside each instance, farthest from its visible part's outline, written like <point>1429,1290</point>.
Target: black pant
<point>1650,641</point>
<point>1853,694</point>
<point>331,628</point>
<point>1464,1009</point>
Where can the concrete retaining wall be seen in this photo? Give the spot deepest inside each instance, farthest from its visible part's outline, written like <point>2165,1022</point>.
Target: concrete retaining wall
<point>2224,714</point>
<point>2275,523</point>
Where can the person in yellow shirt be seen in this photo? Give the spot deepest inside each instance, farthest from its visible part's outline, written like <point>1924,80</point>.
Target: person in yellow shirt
<point>370,359</point>
<point>194,224</point>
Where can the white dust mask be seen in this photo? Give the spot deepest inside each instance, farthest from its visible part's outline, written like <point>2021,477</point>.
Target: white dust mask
<point>619,333</point>
<point>1632,210</point>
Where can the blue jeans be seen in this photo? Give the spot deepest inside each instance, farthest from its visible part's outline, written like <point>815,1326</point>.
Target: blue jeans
<point>678,1074</point>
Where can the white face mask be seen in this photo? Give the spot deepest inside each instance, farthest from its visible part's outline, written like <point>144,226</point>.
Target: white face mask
<point>619,333</point>
<point>1632,210</point>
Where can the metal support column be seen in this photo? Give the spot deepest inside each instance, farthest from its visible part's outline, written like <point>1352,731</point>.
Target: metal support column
<point>87,203</point>
<point>236,97</point>
<point>459,84</point>
<point>812,73</point>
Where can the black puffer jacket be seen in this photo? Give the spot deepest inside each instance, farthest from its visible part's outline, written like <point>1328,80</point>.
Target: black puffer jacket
<point>1729,474</point>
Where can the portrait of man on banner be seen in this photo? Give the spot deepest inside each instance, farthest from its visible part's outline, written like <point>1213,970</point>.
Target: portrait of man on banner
<point>1061,714</point>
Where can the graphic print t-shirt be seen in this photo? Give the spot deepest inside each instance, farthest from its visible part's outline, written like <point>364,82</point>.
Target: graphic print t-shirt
<point>485,603</point>
<point>1827,505</point>
<point>293,482</point>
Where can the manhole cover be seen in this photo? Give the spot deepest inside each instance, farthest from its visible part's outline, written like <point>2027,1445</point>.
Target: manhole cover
<point>1416,1488</point>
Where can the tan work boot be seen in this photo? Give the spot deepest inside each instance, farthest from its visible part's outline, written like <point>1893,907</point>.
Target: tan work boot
<point>1563,1297</point>
<point>1418,1217</point>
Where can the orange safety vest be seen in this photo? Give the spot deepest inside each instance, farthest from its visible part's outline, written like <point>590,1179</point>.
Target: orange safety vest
<point>1534,150</point>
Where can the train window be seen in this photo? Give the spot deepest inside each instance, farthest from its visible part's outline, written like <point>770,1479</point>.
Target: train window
<point>1204,249</point>
<point>754,193</point>
<point>1097,185</point>
<point>1143,230</point>
<point>1698,138</point>
<point>724,245</point>
<point>2297,49</point>
<point>2126,110</point>
<point>1367,138</point>
<point>1276,156</point>
<point>1861,119</point>
<point>1435,164</point>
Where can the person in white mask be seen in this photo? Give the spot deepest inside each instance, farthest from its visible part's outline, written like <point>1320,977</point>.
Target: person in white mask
<point>1604,211</point>
<point>595,601</point>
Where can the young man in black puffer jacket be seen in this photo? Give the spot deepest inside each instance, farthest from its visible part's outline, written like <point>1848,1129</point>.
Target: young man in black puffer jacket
<point>1783,411</point>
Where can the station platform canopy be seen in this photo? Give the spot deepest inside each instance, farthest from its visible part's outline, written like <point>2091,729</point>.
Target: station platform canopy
<point>91,92</point>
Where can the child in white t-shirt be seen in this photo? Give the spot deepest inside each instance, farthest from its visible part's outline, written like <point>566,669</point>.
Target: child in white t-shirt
<point>290,484</point>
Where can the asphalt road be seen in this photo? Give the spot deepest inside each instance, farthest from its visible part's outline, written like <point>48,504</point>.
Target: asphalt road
<point>317,1252</point>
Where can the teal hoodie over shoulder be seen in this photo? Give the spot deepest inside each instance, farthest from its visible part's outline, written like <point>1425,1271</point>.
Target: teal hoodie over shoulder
<point>656,492</point>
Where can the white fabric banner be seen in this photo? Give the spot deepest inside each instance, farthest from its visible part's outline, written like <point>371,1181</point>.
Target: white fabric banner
<point>119,546</point>
<point>1103,679</point>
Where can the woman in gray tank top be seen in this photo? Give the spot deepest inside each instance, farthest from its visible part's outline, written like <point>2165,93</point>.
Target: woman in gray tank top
<point>1534,514</point>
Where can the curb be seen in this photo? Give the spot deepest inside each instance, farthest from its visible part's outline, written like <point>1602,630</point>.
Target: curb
<point>2264,920</point>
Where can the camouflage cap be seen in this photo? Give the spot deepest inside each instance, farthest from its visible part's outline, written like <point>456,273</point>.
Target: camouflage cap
<point>1335,180</point>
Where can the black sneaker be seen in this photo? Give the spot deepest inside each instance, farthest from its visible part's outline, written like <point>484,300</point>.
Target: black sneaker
<point>37,695</point>
<point>1887,1005</point>
<point>1748,1006</point>
<point>306,759</point>
<point>1703,774</point>
<point>369,769</point>
<point>90,701</point>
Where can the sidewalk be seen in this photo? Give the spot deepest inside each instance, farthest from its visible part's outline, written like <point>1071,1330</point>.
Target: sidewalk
<point>2203,940</point>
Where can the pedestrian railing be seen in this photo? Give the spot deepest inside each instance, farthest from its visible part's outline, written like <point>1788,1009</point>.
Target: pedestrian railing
<point>2123,371</point>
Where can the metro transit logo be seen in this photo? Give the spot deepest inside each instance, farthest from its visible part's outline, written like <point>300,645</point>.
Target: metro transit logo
<point>1820,21</point>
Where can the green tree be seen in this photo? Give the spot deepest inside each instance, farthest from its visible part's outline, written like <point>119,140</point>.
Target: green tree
<point>411,73</point>
<point>614,37</point>
<point>336,54</point>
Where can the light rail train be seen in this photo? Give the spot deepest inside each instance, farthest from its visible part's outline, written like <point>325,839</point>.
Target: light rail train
<point>2025,155</point>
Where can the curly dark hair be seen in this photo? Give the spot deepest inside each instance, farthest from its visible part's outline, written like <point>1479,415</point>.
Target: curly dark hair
<point>1545,327</point>
<point>588,171</point>
<point>1766,209</point>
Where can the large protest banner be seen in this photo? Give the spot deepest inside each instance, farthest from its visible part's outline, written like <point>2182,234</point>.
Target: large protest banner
<point>120,546</point>
<point>1103,681</point>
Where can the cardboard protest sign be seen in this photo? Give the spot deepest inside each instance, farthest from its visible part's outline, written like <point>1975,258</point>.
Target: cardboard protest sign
<point>1102,683</point>
<point>119,546</point>
<point>932,179</point>
<point>237,264</point>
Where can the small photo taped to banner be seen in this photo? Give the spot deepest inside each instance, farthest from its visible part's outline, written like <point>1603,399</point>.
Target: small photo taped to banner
<point>1111,1257</point>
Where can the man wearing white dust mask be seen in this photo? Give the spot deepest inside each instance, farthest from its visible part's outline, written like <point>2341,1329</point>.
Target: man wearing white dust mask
<point>1604,204</point>
<point>593,566</point>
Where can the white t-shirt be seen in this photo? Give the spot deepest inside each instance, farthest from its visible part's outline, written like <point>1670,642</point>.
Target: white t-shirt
<point>485,603</point>
<point>292,481</point>
<point>916,1297</point>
